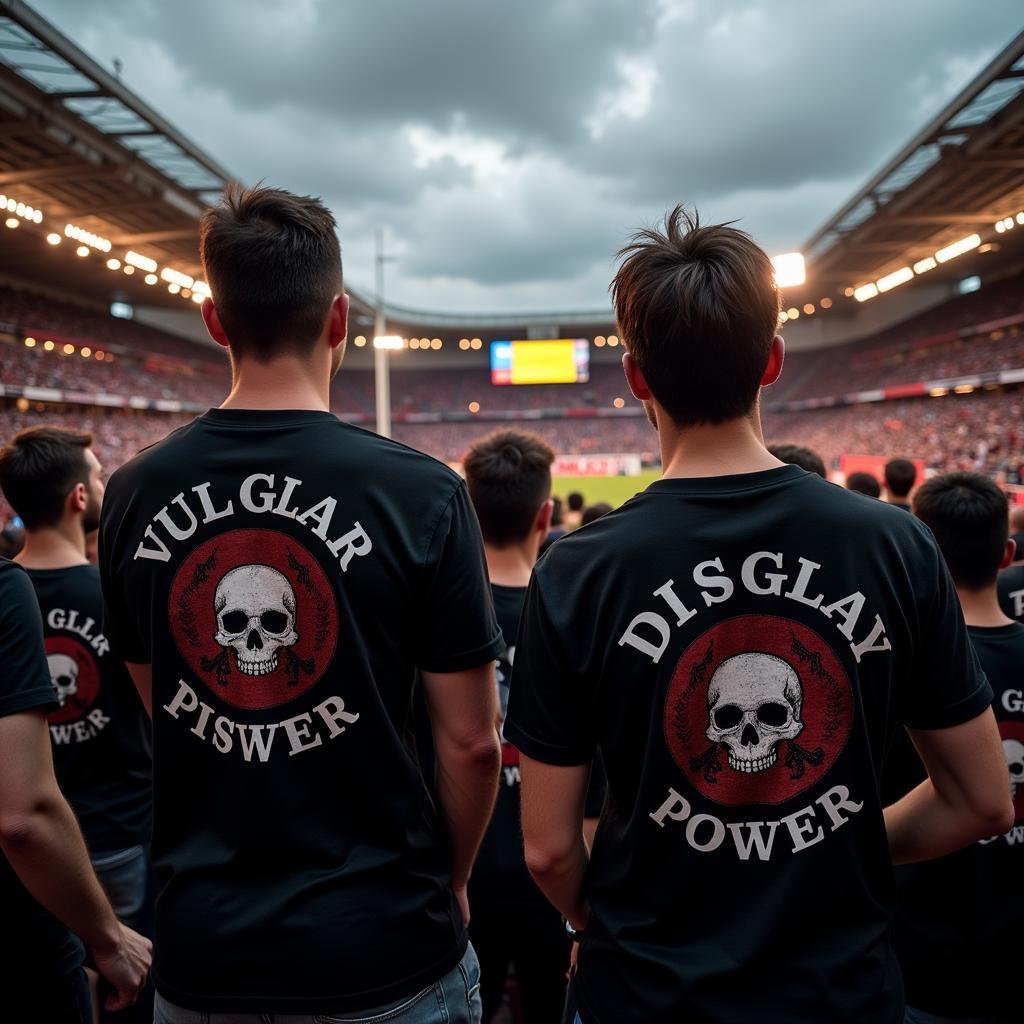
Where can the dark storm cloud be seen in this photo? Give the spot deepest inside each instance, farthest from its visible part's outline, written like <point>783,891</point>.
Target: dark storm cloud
<point>509,148</point>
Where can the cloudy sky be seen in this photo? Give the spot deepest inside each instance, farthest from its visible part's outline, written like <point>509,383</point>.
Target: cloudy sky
<point>506,149</point>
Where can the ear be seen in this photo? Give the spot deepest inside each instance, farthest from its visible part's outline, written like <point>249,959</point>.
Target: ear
<point>338,321</point>
<point>542,524</point>
<point>78,499</point>
<point>1009,554</point>
<point>635,379</point>
<point>775,359</point>
<point>213,324</point>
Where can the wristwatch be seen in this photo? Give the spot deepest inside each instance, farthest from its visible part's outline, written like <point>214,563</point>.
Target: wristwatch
<point>576,936</point>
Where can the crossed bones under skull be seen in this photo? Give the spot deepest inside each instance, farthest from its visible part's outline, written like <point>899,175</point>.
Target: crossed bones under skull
<point>755,702</point>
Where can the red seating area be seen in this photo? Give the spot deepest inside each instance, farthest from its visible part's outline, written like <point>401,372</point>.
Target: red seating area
<point>927,347</point>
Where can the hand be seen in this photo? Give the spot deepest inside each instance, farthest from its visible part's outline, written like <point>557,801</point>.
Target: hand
<point>463,899</point>
<point>125,966</point>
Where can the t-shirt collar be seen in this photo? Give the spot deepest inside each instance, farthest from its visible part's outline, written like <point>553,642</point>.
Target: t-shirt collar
<point>264,417</point>
<point>729,483</point>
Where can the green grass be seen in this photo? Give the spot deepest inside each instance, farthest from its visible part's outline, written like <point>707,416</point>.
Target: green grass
<point>613,489</point>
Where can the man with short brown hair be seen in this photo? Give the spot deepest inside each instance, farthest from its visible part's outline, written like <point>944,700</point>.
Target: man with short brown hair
<point>275,578</point>
<point>739,643</point>
<point>100,733</point>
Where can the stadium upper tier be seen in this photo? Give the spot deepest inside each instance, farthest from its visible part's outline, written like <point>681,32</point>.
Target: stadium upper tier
<point>83,353</point>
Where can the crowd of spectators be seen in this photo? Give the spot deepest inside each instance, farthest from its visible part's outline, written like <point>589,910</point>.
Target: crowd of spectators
<point>148,363</point>
<point>982,431</point>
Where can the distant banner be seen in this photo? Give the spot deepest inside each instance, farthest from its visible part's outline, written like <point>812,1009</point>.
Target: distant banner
<point>596,465</point>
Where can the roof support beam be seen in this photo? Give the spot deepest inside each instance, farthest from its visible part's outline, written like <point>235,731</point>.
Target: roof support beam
<point>146,237</point>
<point>57,172</point>
<point>102,208</point>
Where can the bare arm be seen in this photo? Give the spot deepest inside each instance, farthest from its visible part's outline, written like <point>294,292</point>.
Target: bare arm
<point>553,800</point>
<point>40,837</point>
<point>966,796</point>
<point>142,677</point>
<point>463,711</point>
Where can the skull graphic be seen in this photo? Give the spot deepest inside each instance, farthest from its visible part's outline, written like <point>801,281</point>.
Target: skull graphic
<point>255,607</point>
<point>64,673</point>
<point>754,702</point>
<point>1013,751</point>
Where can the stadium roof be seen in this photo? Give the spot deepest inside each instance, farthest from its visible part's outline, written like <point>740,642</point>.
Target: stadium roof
<point>76,143</point>
<point>961,174</point>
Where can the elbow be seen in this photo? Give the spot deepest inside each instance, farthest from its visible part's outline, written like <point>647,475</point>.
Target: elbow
<point>18,830</point>
<point>480,752</point>
<point>992,816</point>
<point>999,818</point>
<point>545,860</point>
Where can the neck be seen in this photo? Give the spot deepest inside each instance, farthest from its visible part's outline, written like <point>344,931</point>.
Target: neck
<point>981,607</point>
<point>510,567</point>
<point>721,449</point>
<point>283,383</point>
<point>54,547</point>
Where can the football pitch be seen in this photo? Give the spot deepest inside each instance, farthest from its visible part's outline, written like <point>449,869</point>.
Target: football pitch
<point>613,489</point>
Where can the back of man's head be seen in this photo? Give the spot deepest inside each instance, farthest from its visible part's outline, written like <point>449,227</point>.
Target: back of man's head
<point>39,468</point>
<point>797,455</point>
<point>592,513</point>
<point>864,483</point>
<point>967,514</point>
<point>900,475</point>
<point>273,263</point>
<point>575,501</point>
<point>509,478</point>
<point>697,308</point>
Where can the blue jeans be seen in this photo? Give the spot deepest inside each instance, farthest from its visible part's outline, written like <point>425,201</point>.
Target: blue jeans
<point>125,878</point>
<point>454,999</point>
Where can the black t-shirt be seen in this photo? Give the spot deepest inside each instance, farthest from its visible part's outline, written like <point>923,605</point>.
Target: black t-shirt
<point>1011,592</point>
<point>500,874</point>
<point>958,930</point>
<point>285,574</point>
<point>100,731</point>
<point>740,649</point>
<point>36,946</point>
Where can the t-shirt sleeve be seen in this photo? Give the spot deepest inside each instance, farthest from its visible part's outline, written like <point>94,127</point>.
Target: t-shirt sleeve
<point>947,684</point>
<point>459,630</point>
<point>26,681</point>
<point>550,716</point>
<point>120,622</point>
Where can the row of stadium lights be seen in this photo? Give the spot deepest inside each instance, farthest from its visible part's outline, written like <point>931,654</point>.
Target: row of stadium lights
<point>177,282</point>
<point>950,252</point>
<point>67,349</point>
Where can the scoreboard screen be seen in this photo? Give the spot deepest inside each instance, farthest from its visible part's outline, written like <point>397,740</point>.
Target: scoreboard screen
<point>560,361</point>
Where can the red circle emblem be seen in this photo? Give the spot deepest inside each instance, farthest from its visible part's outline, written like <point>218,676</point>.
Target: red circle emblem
<point>254,616</point>
<point>758,710</point>
<point>1013,750</point>
<point>76,676</point>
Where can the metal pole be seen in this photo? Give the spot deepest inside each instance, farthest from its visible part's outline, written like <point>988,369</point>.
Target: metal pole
<point>381,363</point>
